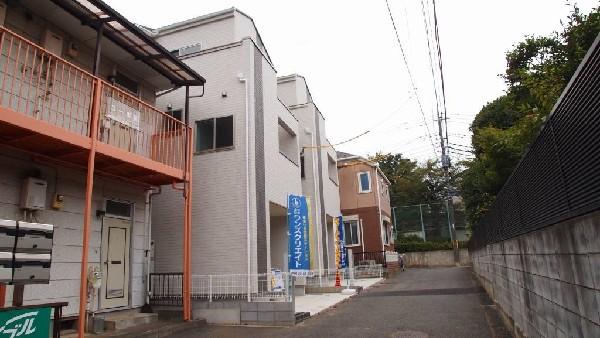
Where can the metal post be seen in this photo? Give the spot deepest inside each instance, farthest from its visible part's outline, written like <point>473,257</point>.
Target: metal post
<point>210,288</point>
<point>88,208</point>
<point>97,56</point>
<point>422,225</point>
<point>187,219</point>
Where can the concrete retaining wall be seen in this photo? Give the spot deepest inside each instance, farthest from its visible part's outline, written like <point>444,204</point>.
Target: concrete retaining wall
<point>243,312</point>
<point>435,258</point>
<point>547,282</point>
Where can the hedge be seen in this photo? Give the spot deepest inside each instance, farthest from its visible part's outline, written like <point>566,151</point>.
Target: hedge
<point>426,246</point>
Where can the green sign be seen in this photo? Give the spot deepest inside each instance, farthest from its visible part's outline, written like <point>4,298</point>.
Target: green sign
<point>25,323</point>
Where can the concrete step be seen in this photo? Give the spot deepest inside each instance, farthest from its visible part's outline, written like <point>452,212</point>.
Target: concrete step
<point>121,322</point>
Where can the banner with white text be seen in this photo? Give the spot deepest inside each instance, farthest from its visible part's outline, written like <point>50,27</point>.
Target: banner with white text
<point>298,247</point>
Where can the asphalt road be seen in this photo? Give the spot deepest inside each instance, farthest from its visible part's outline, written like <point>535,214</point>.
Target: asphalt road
<point>417,303</point>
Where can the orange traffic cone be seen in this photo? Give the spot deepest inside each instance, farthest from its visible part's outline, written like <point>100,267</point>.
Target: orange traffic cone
<point>338,280</point>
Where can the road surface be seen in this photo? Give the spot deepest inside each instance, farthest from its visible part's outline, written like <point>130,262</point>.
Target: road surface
<point>417,303</point>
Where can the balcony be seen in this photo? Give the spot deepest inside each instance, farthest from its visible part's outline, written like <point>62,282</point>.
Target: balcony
<point>47,109</point>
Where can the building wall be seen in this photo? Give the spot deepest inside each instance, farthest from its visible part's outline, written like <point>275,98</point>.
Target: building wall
<point>370,236</point>
<point>219,178</point>
<point>213,33</point>
<point>68,226</point>
<point>547,282</point>
<point>350,198</point>
<point>219,213</point>
<point>34,28</point>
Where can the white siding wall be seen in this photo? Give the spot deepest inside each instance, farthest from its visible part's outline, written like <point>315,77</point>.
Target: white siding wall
<point>66,253</point>
<point>211,34</point>
<point>219,191</point>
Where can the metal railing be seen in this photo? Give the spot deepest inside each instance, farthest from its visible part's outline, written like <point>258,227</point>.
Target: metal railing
<point>327,278</point>
<point>369,258</point>
<point>166,288</point>
<point>46,87</point>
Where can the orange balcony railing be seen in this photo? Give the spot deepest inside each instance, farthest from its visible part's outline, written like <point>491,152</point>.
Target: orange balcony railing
<point>43,86</point>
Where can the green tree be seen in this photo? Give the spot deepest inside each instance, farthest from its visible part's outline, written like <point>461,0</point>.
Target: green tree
<point>538,70</point>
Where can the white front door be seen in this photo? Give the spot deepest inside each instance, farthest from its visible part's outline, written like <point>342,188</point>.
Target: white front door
<point>115,262</point>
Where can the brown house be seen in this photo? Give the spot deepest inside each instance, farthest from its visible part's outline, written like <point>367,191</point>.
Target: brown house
<point>365,205</point>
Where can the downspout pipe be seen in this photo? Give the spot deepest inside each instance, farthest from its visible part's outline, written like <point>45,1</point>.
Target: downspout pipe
<point>241,78</point>
<point>148,218</point>
<point>379,206</point>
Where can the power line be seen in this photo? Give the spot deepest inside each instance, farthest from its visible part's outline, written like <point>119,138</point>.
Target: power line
<point>410,76</point>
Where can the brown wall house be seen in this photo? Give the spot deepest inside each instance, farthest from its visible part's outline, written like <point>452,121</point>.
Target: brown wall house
<point>365,205</point>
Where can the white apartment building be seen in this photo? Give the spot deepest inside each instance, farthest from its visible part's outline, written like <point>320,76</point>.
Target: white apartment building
<point>319,171</point>
<point>247,155</point>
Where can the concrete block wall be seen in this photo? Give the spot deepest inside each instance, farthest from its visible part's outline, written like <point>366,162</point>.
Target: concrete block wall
<point>547,282</point>
<point>244,312</point>
<point>436,258</point>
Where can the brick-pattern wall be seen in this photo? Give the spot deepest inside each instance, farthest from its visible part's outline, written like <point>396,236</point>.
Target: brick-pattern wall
<point>547,281</point>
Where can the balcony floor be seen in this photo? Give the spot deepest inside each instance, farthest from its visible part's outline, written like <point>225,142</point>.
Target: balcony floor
<point>55,144</point>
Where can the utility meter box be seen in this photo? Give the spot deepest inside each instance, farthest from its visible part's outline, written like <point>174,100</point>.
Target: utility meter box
<point>35,238</point>
<point>31,268</point>
<point>6,262</point>
<point>33,194</point>
<point>8,235</point>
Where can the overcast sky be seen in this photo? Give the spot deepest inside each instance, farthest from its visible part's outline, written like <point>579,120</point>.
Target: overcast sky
<point>349,55</point>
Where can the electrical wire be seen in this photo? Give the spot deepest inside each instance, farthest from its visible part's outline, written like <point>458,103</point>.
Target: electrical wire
<point>414,87</point>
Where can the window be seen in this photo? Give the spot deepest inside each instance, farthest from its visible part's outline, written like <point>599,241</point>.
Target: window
<point>351,232</point>
<point>214,134</point>
<point>120,209</point>
<point>126,83</point>
<point>288,143</point>
<point>302,173</point>
<point>176,114</point>
<point>364,182</point>
<point>386,235</point>
<point>332,169</point>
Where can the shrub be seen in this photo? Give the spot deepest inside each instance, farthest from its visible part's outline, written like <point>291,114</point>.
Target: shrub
<point>426,246</point>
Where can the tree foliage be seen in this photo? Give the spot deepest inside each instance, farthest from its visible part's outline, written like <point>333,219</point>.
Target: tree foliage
<point>538,69</point>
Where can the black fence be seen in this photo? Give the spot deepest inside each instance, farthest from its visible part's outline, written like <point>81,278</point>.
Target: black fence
<point>166,288</point>
<point>559,177</point>
<point>369,258</point>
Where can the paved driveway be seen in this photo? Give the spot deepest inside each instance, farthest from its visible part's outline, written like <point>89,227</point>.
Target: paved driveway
<point>438,302</point>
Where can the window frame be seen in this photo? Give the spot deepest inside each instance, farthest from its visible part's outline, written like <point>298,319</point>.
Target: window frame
<point>360,188</point>
<point>358,231</point>
<point>214,136</point>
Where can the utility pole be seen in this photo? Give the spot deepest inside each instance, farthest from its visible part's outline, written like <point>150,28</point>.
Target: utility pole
<point>445,156</point>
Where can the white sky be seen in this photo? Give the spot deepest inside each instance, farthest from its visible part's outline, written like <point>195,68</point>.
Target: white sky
<point>348,53</point>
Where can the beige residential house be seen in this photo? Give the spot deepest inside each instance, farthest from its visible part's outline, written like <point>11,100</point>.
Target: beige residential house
<point>247,156</point>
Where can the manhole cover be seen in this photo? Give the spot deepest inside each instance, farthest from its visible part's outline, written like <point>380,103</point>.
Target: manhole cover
<point>409,334</point>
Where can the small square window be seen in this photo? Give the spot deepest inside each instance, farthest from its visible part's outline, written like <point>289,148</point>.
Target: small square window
<point>364,182</point>
<point>351,232</point>
<point>214,133</point>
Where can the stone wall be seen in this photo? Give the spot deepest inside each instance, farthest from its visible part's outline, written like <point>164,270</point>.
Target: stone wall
<point>435,258</point>
<point>547,282</point>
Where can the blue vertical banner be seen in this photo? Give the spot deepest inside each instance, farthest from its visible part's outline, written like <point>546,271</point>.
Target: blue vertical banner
<point>298,247</point>
<point>340,243</point>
